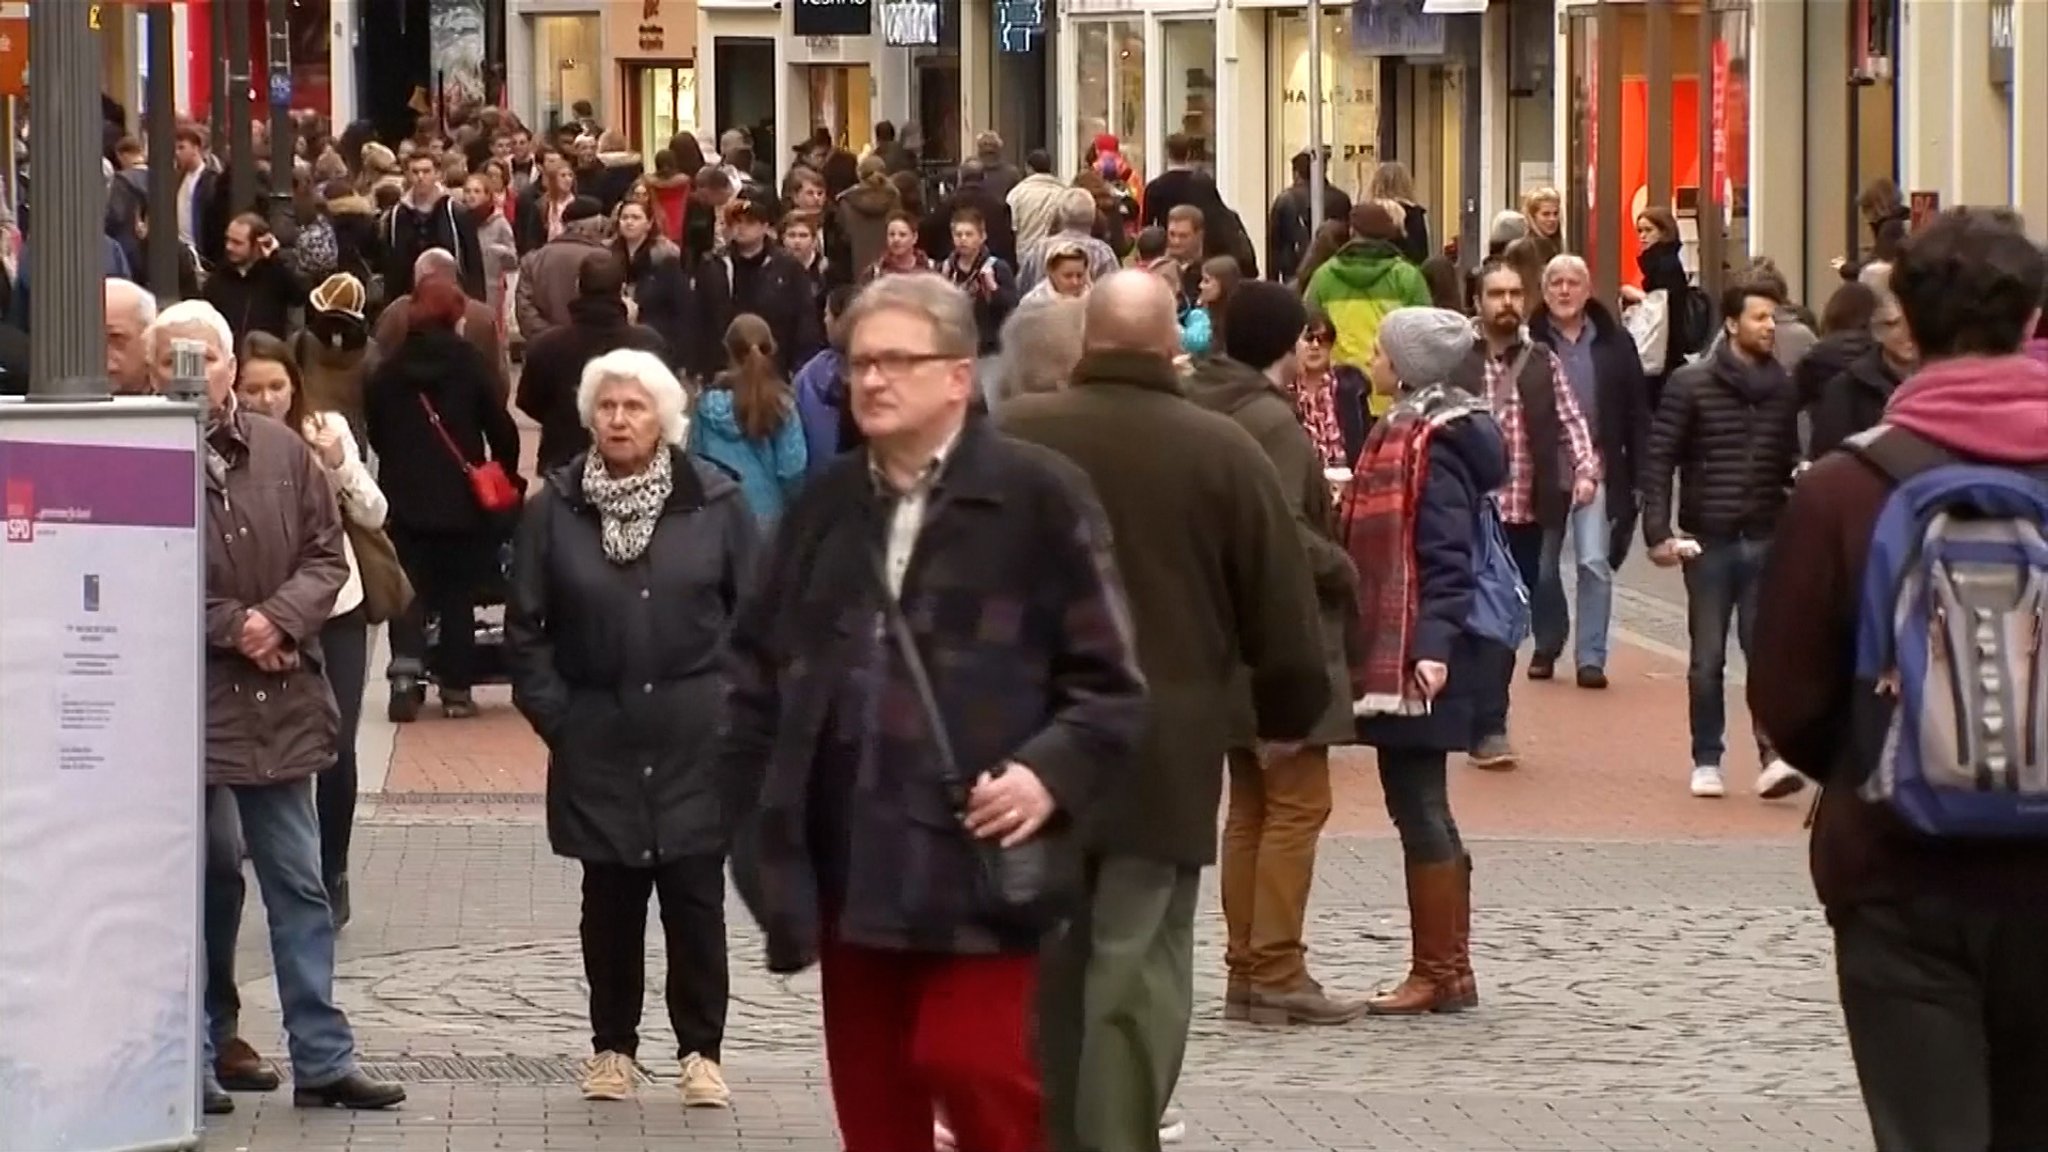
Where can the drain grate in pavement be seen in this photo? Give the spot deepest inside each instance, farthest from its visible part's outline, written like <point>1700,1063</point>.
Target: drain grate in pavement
<point>417,1069</point>
<point>401,798</point>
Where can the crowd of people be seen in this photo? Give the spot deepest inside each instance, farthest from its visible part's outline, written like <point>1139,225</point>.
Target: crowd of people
<point>944,569</point>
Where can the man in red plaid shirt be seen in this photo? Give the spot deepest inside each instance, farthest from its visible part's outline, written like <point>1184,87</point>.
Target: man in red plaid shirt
<point>1553,465</point>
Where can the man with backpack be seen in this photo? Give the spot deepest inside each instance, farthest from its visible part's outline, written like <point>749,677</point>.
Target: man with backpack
<point>1901,661</point>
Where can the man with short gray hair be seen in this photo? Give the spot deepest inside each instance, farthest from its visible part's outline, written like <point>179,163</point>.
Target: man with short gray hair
<point>1605,373</point>
<point>131,309</point>
<point>886,809</point>
<point>1077,215</point>
<point>1042,340</point>
<point>1220,590</point>
<point>479,322</point>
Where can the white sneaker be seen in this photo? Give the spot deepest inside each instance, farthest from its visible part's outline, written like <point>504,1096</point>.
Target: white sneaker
<point>609,1076</point>
<point>703,1083</point>
<point>1172,1128</point>
<point>1779,780</point>
<point>1706,782</point>
<point>942,1138</point>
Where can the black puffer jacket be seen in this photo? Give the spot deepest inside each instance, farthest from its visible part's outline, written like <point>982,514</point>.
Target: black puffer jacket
<point>616,666</point>
<point>1730,430</point>
<point>1851,401</point>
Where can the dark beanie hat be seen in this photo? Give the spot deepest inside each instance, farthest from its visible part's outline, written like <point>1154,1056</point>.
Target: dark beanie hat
<point>1370,221</point>
<point>582,208</point>
<point>1261,323</point>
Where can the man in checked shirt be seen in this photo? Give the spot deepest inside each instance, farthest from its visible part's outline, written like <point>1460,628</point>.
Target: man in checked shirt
<point>1553,466</point>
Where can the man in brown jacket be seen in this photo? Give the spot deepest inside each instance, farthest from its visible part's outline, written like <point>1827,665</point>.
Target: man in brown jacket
<point>274,564</point>
<point>479,322</point>
<point>1940,940</point>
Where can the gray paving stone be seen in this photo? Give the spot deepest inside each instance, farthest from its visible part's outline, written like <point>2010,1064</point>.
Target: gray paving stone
<point>1647,997</point>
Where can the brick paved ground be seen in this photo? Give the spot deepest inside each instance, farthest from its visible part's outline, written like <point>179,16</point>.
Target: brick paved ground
<point>1655,974</point>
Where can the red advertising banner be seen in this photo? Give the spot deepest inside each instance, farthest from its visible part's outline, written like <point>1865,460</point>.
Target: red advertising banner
<point>1718,175</point>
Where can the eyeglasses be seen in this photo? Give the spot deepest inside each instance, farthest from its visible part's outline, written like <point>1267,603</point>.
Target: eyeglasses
<point>893,365</point>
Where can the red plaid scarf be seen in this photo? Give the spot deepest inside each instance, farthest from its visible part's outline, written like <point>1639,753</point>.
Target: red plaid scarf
<point>1377,516</point>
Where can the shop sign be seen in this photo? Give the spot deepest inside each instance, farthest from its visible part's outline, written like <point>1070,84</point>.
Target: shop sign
<point>910,23</point>
<point>14,56</point>
<point>1718,170</point>
<point>1020,25</point>
<point>1396,28</point>
<point>834,17</point>
<point>2001,43</point>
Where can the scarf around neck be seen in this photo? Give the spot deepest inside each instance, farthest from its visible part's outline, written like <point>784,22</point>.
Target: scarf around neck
<point>628,507</point>
<point>1377,518</point>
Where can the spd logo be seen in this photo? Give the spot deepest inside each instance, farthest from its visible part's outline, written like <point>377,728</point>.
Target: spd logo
<point>21,512</point>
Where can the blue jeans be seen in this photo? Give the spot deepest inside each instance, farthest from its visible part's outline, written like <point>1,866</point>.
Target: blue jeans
<point>283,836</point>
<point>1496,671</point>
<point>1720,587</point>
<point>1591,535</point>
<point>222,900</point>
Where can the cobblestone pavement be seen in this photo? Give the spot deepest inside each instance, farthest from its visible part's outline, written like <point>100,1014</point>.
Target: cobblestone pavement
<point>1637,996</point>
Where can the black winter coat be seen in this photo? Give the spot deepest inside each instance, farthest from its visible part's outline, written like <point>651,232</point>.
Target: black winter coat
<point>409,232</point>
<point>553,369</point>
<point>1663,270</point>
<point>935,232</point>
<point>1851,401</point>
<point>427,487</point>
<point>780,294</point>
<point>617,666</point>
<point>661,290</point>
<point>1730,431</point>
<point>1467,459</point>
<point>1622,433</point>
<point>258,298</point>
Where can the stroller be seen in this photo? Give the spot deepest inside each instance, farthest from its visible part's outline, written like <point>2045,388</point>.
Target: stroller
<point>409,679</point>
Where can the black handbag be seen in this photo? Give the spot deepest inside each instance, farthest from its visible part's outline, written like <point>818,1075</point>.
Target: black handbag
<point>1028,887</point>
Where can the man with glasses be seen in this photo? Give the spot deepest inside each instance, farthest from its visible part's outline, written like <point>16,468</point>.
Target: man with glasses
<point>872,796</point>
<point>1853,399</point>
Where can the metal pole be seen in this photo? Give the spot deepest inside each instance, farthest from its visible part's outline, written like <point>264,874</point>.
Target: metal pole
<point>241,135</point>
<point>1317,176</point>
<point>217,107</point>
<point>160,120</point>
<point>68,335</point>
<point>280,58</point>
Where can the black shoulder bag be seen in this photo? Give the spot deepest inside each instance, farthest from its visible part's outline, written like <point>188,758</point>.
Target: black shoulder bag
<point>1029,887</point>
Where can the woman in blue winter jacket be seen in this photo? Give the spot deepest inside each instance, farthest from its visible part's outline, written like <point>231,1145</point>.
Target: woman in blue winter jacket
<point>746,421</point>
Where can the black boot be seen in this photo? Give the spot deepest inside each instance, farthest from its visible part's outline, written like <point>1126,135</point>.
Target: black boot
<point>354,1090</point>
<point>215,1101</point>
<point>337,900</point>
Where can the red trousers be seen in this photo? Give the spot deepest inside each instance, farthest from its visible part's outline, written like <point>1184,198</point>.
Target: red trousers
<point>905,1032</point>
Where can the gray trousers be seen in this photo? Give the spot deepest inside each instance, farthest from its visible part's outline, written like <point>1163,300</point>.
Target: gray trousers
<point>1117,993</point>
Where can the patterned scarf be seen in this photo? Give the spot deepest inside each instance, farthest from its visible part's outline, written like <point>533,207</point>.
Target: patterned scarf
<point>628,506</point>
<point>1377,525</point>
<point>1315,404</point>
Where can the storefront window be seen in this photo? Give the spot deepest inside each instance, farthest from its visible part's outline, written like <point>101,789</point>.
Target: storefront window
<point>1190,82</point>
<point>1729,143</point>
<point>1111,90</point>
<point>566,66</point>
<point>1350,103</point>
<point>668,103</point>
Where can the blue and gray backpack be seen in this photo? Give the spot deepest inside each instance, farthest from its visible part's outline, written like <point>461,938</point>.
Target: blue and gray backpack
<point>1500,601</point>
<point>1950,710</point>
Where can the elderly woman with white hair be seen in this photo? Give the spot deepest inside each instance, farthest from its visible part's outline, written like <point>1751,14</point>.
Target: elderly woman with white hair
<point>629,565</point>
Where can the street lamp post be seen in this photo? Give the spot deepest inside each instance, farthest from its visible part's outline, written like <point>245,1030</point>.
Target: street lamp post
<point>68,339</point>
<point>160,121</point>
<point>1318,174</point>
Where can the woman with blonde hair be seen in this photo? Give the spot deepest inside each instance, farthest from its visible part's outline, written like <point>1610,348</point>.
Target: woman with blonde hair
<point>1391,181</point>
<point>1544,209</point>
<point>627,573</point>
<point>747,424</point>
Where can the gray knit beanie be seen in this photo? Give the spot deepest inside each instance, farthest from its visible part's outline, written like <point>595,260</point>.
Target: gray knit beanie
<point>1425,345</point>
<point>1508,227</point>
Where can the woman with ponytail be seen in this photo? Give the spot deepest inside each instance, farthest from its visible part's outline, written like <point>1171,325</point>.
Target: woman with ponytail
<point>746,421</point>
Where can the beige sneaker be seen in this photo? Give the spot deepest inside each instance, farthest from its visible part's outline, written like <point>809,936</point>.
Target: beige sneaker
<point>608,1076</point>
<point>703,1084</point>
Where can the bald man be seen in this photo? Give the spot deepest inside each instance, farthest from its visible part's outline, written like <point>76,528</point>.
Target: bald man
<point>1218,581</point>
<point>131,309</point>
<point>479,322</point>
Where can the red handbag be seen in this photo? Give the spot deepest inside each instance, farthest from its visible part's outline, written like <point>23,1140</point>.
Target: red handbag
<point>493,489</point>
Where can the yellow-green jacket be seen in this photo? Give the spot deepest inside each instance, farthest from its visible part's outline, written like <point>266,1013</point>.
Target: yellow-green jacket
<point>1356,289</point>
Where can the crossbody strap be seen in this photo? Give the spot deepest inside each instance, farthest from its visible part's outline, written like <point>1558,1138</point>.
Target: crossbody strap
<point>957,785</point>
<point>441,430</point>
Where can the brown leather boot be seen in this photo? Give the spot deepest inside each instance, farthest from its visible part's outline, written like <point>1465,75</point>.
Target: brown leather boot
<point>239,1068</point>
<point>1431,986</point>
<point>1465,988</point>
<point>1237,998</point>
<point>1305,1003</point>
